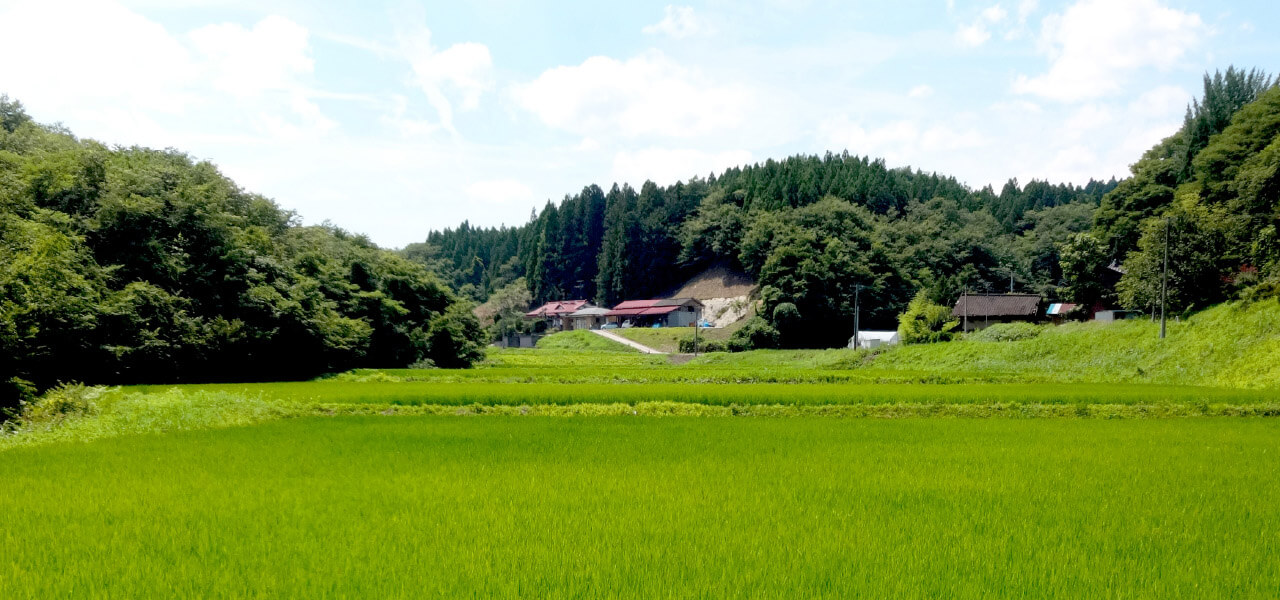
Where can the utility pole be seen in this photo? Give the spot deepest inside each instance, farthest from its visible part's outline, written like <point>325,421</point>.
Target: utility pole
<point>1010,280</point>
<point>697,318</point>
<point>857,345</point>
<point>965,328</point>
<point>1164,279</point>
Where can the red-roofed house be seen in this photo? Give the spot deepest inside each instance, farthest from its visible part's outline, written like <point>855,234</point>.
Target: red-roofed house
<point>668,312</point>
<point>556,313</point>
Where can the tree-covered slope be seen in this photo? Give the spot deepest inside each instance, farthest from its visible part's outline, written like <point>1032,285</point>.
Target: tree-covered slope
<point>132,264</point>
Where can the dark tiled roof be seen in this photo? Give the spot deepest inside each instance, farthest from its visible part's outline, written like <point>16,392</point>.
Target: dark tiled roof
<point>1000,305</point>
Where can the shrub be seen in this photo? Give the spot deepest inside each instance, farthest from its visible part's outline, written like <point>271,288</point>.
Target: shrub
<point>704,345</point>
<point>1007,332</point>
<point>455,339</point>
<point>64,402</point>
<point>756,334</point>
<point>925,322</point>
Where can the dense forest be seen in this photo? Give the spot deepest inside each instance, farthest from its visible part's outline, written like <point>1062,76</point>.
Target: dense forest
<point>138,265</point>
<point>812,229</point>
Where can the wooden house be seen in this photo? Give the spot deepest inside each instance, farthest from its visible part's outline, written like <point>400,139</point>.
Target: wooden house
<point>977,311</point>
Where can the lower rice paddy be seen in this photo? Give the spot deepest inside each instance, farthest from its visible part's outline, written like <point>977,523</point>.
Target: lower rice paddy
<point>651,507</point>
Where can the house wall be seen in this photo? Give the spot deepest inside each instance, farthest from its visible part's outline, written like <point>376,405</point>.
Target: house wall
<point>684,317</point>
<point>587,322</point>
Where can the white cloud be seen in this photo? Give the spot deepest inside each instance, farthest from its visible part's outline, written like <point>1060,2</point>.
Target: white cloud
<point>500,192</point>
<point>1017,106</point>
<point>118,75</point>
<point>994,14</point>
<point>899,141</point>
<point>666,166</point>
<point>978,32</point>
<point>921,91</point>
<point>133,60</point>
<point>461,70</point>
<point>1019,29</point>
<point>1162,102</point>
<point>678,22</point>
<point>1025,8</point>
<point>973,35</point>
<point>248,62</point>
<point>1087,119</point>
<point>1095,44</point>
<point>645,96</point>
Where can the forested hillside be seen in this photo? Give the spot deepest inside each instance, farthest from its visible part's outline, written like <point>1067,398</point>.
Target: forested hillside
<point>139,265</point>
<point>812,229</point>
<point>625,243</point>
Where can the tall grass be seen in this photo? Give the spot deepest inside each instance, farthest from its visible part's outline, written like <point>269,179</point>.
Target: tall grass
<point>82,414</point>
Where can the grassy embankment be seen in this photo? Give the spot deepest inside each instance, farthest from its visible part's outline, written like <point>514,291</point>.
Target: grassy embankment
<point>1233,345</point>
<point>582,341</point>
<point>1236,345</point>
<point>431,506</point>
<point>667,339</point>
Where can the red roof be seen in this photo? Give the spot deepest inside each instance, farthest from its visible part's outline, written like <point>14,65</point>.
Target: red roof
<point>556,309</point>
<point>634,304</point>
<point>657,306</point>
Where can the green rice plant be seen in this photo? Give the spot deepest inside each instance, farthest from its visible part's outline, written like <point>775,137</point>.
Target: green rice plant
<point>624,507</point>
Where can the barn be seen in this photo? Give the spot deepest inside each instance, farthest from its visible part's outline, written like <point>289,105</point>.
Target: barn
<point>670,312</point>
<point>977,311</point>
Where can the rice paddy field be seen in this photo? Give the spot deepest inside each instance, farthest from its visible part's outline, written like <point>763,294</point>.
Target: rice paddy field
<point>651,507</point>
<point>588,472</point>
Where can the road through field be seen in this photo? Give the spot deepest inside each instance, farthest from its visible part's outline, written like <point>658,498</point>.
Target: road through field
<point>621,340</point>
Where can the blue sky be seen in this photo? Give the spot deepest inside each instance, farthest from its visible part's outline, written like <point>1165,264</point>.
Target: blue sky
<point>395,118</point>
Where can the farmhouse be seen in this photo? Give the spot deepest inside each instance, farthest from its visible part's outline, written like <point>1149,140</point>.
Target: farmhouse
<point>672,312</point>
<point>588,317</point>
<point>978,311</point>
<point>554,313</point>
